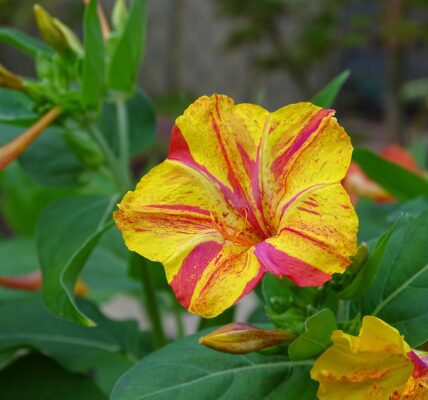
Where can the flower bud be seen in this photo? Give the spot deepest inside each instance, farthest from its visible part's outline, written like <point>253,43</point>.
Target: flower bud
<point>55,33</point>
<point>240,338</point>
<point>9,79</point>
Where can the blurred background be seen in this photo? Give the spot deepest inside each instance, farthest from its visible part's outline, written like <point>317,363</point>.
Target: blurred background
<point>275,52</point>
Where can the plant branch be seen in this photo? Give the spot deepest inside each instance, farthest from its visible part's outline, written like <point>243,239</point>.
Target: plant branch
<point>110,158</point>
<point>123,136</point>
<point>12,150</point>
<point>151,305</point>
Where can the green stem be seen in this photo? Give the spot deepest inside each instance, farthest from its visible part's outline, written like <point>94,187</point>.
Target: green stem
<point>123,136</point>
<point>343,311</point>
<point>109,157</point>
<point>151,306</point>
<point>176,308</point>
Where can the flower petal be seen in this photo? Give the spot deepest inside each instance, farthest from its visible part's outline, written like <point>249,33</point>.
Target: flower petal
<point>373,365</point>
<point>317,234</point>
<point>213,277</point>
<point>221,141</point>
<point>177,217</point>
<point>305,147</point>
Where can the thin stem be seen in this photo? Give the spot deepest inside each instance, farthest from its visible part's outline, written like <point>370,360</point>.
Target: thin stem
<point>151,306</point>
<point>109,157</point>
<point>176,308</point>
<point>123,136</point>
<point>343,311</point>
<point>13,149</point>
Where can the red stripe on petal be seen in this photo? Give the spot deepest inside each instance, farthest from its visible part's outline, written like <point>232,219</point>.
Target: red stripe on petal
<point>310,128</point>
<point>308,211</point>
<point>191,270</point>
<point>281,264</point>
<point>253,283</point>
<point>180,207</point>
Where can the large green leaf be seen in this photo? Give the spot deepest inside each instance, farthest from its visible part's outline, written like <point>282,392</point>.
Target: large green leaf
<point>67,232</point>
<point>316,338</point>
<point>105,272</point>
<point>27,325</point>
<point>21,41</point>
<point>400,289</point>
<point>186,370</point>
<point>327,95</point>
<point>141,122</point>
<point>94,62</point>
<point>373,218</point>
<point>50,162</point>
<point>16,108</point>
<point>399,182</point>
<point>128,51</point>
<point>38,378</point>
<point>23,199</point>
<point>368,270</point>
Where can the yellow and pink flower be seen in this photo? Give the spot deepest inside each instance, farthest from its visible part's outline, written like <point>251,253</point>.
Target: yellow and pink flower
<point>244,192</point>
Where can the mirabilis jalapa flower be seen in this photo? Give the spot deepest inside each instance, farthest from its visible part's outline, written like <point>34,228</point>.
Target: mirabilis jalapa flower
<point>244,192</point>
<point>375,365</point>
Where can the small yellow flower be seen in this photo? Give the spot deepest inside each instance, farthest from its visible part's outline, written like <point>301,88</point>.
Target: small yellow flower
<point>376,365</point>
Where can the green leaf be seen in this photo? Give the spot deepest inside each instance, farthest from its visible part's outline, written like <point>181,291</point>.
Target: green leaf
<point>399,182</point>
<point>38,378</point>
<point>94,61</point>
<point>186,370</point>
<point>286,303</point>
<point>23,199</point>
<point>57,166</point>
<point>141,123</point>
<point>23,42</point>
<point>26,324</point>
<point>128,51</point>
<point>67,232</point>
<point>16,108</point>
<point>400,289</point>
<point>105,272</point>
<point>327,95</point>
<point>373,218</point>
<point>316,338</point>
<point>17,257</point>
<point>367,273</point>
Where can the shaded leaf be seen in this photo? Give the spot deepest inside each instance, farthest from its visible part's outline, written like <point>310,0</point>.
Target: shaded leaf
<point>67,232</point>
<point>38,378</point>
<point>141,123</point>
<point>16,108</point>
<point>94,61</point>
<point>399,291</point>
<point>23,42</point>
<point>57,166</point>
<point>23,199</point>
<point>316,338</point>
<point>185,370</point>
<point>27,325</point>
<point>128,50</point>
<point>367,273</point>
